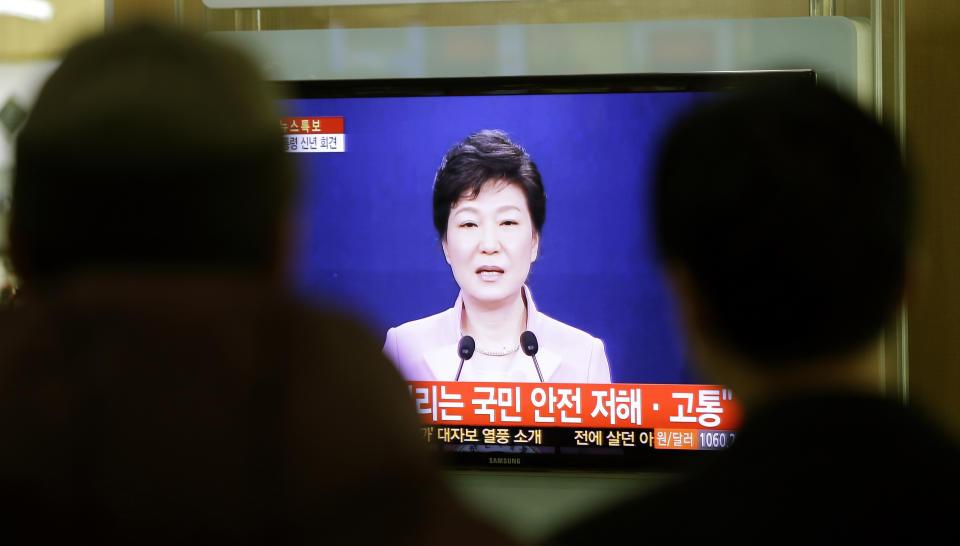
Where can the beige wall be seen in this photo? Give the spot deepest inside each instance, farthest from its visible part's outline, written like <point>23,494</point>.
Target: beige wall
<point>933,140</point>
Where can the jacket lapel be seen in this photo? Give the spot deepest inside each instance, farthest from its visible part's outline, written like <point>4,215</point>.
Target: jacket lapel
<point>548,359</point>
<point>443,362</point>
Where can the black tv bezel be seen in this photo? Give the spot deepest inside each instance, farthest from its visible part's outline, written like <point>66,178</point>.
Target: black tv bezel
<point>546,84</point>
<point>709,81</point>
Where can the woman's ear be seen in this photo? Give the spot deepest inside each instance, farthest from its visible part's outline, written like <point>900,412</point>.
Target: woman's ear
<point>535,249</point>
<point>443,245</point>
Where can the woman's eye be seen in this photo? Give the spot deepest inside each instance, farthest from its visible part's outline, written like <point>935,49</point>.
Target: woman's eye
<point>468,224</point>
<point>509,223</point>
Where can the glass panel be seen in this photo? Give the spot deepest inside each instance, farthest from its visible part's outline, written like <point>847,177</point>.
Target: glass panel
<point>875,78</point>
<point>482,13</point>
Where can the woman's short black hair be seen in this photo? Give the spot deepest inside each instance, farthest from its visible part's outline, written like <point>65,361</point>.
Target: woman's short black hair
<point>485,156</point>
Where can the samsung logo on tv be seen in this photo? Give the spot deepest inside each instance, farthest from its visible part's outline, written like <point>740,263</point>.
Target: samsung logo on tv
<point>504,460</point>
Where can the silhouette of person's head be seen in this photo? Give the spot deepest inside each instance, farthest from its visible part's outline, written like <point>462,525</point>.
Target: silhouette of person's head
<point>150,394</point>
<point>149,148</point>
<point>783,216</point>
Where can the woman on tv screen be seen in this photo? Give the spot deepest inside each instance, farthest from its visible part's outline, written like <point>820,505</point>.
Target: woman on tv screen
<point>489,206</point>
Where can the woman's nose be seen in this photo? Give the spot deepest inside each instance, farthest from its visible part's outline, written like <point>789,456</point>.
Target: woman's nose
<point>489,242</point>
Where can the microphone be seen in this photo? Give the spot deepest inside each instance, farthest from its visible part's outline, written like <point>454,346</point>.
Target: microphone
<point>465,350</point>
<point>528,342</point>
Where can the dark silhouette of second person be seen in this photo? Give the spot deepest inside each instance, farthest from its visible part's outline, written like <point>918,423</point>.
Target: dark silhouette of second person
<point>783,218</point>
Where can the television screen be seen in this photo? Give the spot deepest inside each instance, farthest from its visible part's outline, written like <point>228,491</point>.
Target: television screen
<point>604,377</point>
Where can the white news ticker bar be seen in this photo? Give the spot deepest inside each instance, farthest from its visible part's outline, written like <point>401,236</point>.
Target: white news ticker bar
<point>314,143</point>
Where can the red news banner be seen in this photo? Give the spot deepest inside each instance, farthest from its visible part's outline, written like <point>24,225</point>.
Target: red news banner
<point>680,416</point>
<point>313,134</point>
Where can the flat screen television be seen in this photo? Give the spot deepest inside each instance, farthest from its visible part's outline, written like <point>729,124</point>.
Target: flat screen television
<point>368,152</point>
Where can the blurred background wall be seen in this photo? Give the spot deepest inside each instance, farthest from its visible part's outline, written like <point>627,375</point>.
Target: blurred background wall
<point>915,45</point>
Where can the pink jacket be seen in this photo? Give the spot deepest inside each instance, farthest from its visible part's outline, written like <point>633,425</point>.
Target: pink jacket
<point>426,350</point>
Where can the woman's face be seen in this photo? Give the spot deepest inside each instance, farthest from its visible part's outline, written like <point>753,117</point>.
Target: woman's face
<point>491,243</point>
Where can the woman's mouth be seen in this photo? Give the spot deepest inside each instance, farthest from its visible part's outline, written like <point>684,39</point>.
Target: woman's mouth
<point>489,273</point>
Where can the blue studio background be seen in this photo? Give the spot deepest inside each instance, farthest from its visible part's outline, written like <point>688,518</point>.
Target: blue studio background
<point>366,238</point>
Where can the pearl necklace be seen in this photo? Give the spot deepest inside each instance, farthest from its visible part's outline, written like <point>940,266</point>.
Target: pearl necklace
<point>502,352</point>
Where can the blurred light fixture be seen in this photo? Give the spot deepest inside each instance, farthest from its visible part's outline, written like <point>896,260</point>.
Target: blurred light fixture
<point>218,4</point>
<point>37,10</point>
